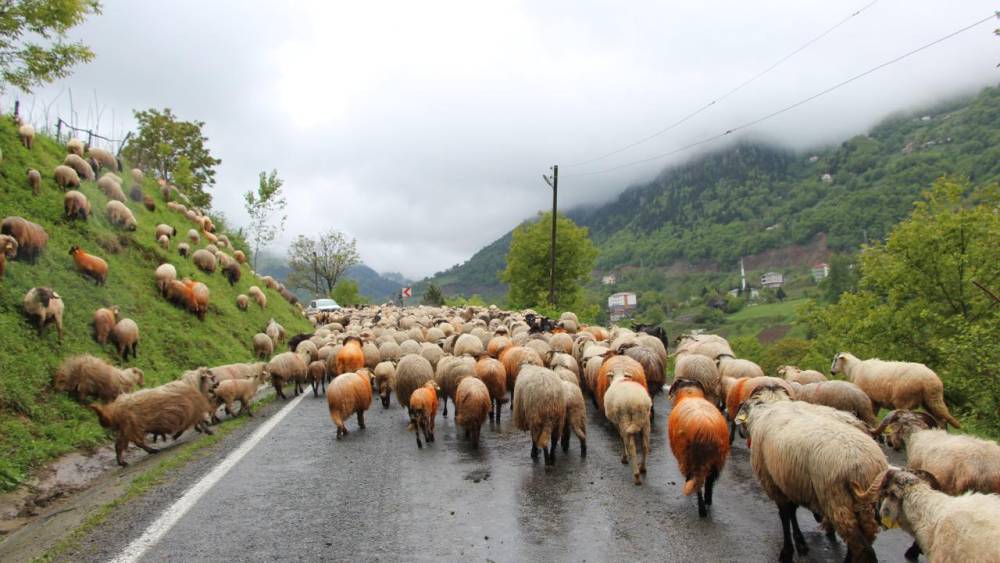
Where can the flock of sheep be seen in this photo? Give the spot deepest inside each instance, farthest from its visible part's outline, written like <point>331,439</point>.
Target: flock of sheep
<point>813,442</point>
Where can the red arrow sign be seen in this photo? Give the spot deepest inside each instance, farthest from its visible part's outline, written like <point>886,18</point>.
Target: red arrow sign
<point>407,292</point>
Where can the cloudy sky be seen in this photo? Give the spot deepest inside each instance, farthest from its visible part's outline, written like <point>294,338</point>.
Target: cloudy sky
<point>423,128</point>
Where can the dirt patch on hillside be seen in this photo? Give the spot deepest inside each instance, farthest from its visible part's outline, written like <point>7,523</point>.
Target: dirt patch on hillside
<point>773,333</point>
<point>792,255</point>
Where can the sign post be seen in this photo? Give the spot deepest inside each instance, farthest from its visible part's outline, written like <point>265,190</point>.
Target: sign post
<point>407,292</point>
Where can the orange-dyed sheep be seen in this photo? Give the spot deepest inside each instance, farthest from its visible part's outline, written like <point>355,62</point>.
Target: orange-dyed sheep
<point>423,406</point>
<point>698,433</point>
<point>472,404</point>
<point>612,361</point>
<point>351,357</point>
<point>349,393</point>
<point>105,320</point>
<point>89,265</point>
<point>494,375</point>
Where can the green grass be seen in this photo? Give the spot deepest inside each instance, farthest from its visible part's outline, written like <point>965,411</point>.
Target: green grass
<point>783,310</point>
<point>37,423</point>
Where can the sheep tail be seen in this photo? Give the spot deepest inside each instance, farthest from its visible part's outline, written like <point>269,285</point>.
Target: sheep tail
<point>695,483</point>
<point>935,404</point>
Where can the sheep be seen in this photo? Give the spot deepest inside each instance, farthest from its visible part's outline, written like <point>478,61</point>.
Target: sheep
<point>800,376</point>
<point>626,404</point>
<point>165,273</point>
<point>258,296</point>
<point>698,440</point>
<point>263,346</point>
<point>409,346</point>
<point>75,146</point>
<point>193,236</point>
<point>389,351</point>
<point>708,345</point>
<point>472,405</point>
<point>204,260</point>
<point>183,249</point>
<point>120,216</point>
<point>422,408</point>
<point>168,409</point>
<point>136,195</point>
<point>148,203</point>
<point>449,373</point>
<point>841,395</point>
<point>193,296</point>
<point>89,265</point>
<point>80,167</point>
<point>84,376</point>
<point>946,528</point>
<point>111,188</point>
<point>613,363</point>
<point>900,385</point>
<point>164,230</point>
<point>137,175</point>
<point>432,352</point>
<point>126,336</point>
<point>653,367</point>
<point>351,357</point>
<point>105,320</point>
<point>412,372</point>
<point>34,181</point>
<point>513,360</point>
<point>468,345</point>
<point>44,306</point>
<point>372,357</point>
<point>493,374</point>
<point>163,242</point>
<point>700,368</point>
<point>316,374</point>
<point>26,133</point>
<point>287,367</point>
<point>576,417</point>
<point>960,463</point>
<point>242,302</point>
<point>498,344</point>
<point>817,457</point>
<point>76,205</point>
<point>385,380</point>
<point>104,158</point>
<point>229,391</point>
<point>736,368</point>
<point>539,407</point>
<point>256,370</point>
<point>239,256</point>
<point>66,177</point>
<point>308,348</point>
<point>8,250</point>
<point>31,238</point>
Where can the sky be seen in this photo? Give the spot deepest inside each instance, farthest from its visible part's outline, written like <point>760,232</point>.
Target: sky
<point>422,129</point>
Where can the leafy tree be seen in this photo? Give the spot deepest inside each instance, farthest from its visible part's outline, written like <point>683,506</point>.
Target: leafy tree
<point>176,151</point>
<point>527,269</point>
<point>843,277</point>
<point>780,294</point>
<point>33,50</point>
<point>433,296</point>
<point>317,265</point>
<point>261,206</point>
<point>346,293</point>
<point>916,299</point>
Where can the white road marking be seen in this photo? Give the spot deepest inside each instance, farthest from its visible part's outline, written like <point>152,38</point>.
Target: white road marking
<point>176,511</point>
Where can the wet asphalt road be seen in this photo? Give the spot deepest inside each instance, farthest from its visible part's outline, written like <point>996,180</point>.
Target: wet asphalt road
<point>373,496</point>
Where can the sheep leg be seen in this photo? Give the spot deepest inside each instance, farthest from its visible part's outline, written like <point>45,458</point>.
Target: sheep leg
<point>786,512</point>
<point>361,419</point>
<point>493,407</point>
<point>565,438</point>
<point>148,449</point>
<point>913,552</point>
<point>624,449</point>
<point>645,451</point>
<point>534,451</point>
<point>121,444</point>
<point>630,445</point>
<point>702,511</point>
<point>278,390</point>
<point>732,430</point>
<point>713,475</point>
<point>800,540</point>
<point>315,386</point>
<point>583,446</point>
<point>445,413</point>
<point>552,450</point>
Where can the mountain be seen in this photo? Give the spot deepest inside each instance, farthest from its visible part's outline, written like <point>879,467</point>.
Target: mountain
<point>773,205</point>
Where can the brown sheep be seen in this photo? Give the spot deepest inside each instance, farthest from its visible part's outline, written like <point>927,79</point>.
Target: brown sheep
<point>540,408</point>
<point>168,409</point>
<point>263,346</point>
<point>576,417</point>
<point>183,249</point>
<point>385,381</point>
<point>240,257</point>
<point>26,133</point>
<point>449,373</point>
<point>228,391</point>
<point>316,375</point>
<point>148,203</point>
<point>242,302</point>
<point>513,359</point>
<point>126,336</point>
<point>287,367</point>
<point>8,250</point>
<point>105,320</point>
<point>85,376</point>
<point>104,158</point>
<point>422,408</point>
<point>412,372</point>
<point>164,274</point>
<point>349,393</point>
<point>120,215</point>
<point>44,306</point>
<point>31,238</point>
<point>76,205</point>
<point>75,146</point>
<point>492,373</point>
<point>163,229</point>
<point>80,166</point>
<point>204,260</point>
<point>66,177</point>
<point>89,265</point>
<point>472,405</point>
<point>34,181</point>
<point>111,188</point>
<point>258,296</point>
<point>841,395</point>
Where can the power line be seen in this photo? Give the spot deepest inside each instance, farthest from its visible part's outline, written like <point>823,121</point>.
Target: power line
<point>727,94</point>
<point>757,121</point>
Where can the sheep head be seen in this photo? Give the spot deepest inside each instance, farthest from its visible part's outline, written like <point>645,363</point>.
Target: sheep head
<point>898,425</point>
<point>837,366</point>
<point>8,245</point>
<point>888,490</point>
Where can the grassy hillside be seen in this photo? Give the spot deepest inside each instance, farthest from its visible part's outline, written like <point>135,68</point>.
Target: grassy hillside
<point>37,423</point>
<point>752,199</point>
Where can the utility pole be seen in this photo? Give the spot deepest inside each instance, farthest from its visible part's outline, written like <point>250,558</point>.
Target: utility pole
<point>553,182</point>
<point>316,274</point>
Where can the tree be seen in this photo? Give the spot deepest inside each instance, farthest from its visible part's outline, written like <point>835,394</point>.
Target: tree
<point>24,61</point>
<point>527,269</point>
<point>318,264</point>
<point>433,296</point>
<point>780,294</point>
<point>843,277</point>
<point>261,206</point>
<point>346,293</point>
<point>176,151</point>
<point>916,300</point>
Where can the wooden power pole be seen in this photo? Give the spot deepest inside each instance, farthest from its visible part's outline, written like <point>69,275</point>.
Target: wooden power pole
<point>553,182</point>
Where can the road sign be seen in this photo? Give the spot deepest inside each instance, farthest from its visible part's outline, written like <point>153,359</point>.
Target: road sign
<point>407,292</point>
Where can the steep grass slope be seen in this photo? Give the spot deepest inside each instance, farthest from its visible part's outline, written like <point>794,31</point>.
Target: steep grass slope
<point>37,423</point>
